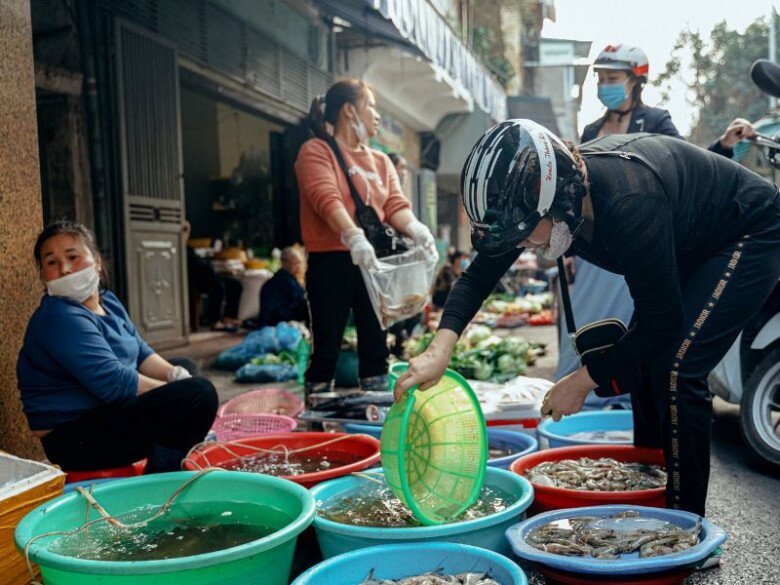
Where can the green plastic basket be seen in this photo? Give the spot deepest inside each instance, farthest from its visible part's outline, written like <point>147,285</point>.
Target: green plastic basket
<point>434,449</point>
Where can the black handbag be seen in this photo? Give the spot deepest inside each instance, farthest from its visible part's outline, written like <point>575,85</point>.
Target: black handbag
<point>383,237</point>
<point>593,338</point>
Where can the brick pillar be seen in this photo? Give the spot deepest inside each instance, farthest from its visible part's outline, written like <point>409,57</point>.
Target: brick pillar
<point>20,215</point>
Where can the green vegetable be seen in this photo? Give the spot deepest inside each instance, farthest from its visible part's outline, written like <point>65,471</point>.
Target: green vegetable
<point>506,364</point>
<point>477,334</point>
<point>483,371</point>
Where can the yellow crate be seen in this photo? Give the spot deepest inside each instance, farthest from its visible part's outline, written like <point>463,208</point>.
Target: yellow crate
<point>24,485</point>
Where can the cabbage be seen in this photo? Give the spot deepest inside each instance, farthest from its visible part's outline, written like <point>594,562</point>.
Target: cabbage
<point>477,333</point>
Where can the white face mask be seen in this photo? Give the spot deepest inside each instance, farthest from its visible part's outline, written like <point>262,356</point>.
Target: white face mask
<point>78,286</point>
<point>560,241</point>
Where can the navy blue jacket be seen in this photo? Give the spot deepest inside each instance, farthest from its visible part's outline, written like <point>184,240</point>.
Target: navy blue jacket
<point>74,361</point>
<point>652,120</point>
<point>282,299</point>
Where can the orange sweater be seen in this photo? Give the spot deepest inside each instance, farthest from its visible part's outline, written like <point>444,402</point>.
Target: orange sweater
<point>323,188</point>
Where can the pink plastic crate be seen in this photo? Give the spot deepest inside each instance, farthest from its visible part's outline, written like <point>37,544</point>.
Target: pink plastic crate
<point>240,426</point>
<point>265,400</point>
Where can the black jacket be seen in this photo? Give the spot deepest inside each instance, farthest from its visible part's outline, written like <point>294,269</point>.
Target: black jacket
<point>653,120</point>
<point>643,119</point>
<point>654,227</point>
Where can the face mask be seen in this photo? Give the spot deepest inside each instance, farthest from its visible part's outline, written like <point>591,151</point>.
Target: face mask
<point>560,240</point>
<point>612,95</point>
<point>465,263</point>
<point>359,128</point>
<point>78,286</point>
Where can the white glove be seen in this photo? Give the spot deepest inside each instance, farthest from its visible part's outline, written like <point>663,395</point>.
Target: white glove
<point>178,373</point>
<point>422,236</point>
<point>361,250</point>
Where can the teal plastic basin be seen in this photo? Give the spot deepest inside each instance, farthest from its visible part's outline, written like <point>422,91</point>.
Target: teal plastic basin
<point>265,561</point>
<point>396,561</point>
<point>487,532</point>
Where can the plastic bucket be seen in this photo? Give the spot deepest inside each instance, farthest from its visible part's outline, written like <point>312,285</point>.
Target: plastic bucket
<point>358,429</point>
<point>555,577</point>
<point>265,561</point>
<point>487,532</point>
<point>397,561</point>
<point>362,450</point>
<point>557,434</point>
<point>520,443</point>
<point>132,470</point>
<point>710,538</point>
<point>555,498</point>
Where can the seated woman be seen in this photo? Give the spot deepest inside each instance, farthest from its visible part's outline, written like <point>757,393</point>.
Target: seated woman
<point>93,391</point>
<point>456,264</point>
<point>283,298</point>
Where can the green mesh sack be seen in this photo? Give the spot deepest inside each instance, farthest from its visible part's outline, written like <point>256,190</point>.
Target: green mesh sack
<point>434,449</point>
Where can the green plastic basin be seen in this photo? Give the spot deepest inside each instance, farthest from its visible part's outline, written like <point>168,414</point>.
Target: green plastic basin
<point>264,561</point>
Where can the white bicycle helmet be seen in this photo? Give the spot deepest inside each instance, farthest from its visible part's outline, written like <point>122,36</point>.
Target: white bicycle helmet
<point>623,58</point>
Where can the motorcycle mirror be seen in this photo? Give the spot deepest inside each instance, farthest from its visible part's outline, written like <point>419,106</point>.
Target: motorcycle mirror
<point>766,76</point>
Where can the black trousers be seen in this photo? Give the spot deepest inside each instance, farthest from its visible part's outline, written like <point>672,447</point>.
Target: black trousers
<point>222,291</point>
<point>673,409</point>
<point>334,286</point>
<point>170,419</point>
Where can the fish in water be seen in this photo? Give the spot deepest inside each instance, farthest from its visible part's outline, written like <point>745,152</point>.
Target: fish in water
<point>598,475</point>
<point>435,578</point>
<point>626,436</point>
<point>608,538</point>
<point>378,507</point>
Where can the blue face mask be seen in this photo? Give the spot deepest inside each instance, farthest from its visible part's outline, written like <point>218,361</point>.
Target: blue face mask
<point>612,95</point>
<point>465,263</point>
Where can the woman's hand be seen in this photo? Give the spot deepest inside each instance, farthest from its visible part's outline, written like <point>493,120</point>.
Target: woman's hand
<point>568,395</point>
<point>427,368</point>
<point>739,129</point>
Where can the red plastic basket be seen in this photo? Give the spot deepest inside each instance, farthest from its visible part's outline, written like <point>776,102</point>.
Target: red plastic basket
<point>361,449</point>
<point>556,577</point>
<point>555,498</point>
<point>265,400</point>
<point>132,470</point>
<point>230,427</point>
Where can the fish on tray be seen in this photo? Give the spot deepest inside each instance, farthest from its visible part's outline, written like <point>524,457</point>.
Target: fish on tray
<point>598,475</point>
<point>435,578</point>
<point>608,538</point>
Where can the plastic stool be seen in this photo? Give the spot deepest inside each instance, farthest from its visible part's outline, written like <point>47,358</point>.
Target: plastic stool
<point>132,470</point>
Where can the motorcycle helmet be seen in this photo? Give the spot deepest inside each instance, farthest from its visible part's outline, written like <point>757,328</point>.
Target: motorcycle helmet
<point>623,58</point>
<point>517,173</point>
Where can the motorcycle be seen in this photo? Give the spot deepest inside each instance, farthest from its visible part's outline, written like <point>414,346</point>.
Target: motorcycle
<point>749,373</point>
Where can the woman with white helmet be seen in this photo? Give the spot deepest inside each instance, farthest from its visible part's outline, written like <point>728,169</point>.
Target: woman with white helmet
<point>696,236</point>
<point>622,72</point>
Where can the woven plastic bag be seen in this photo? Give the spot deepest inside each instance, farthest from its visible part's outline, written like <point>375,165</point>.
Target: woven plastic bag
<point>399,286</point>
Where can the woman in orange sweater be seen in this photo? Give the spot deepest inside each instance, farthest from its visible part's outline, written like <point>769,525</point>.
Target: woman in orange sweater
<point>337,246</point>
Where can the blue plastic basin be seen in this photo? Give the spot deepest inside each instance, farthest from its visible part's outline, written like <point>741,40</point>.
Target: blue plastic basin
<point>396,561</point>
<point>711,537</point>
<point>520,442</point>
<point>361,429</point>
<point>556,434</point>
<point>487,532</point>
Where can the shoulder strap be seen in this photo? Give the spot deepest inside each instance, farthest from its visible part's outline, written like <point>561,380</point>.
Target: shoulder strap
<point>359,204</point>
<point>567,311</point>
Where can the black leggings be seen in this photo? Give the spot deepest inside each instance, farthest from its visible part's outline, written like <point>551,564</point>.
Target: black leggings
<point>673,409</point>
<point>161,425</point>
<point>334,286</point>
